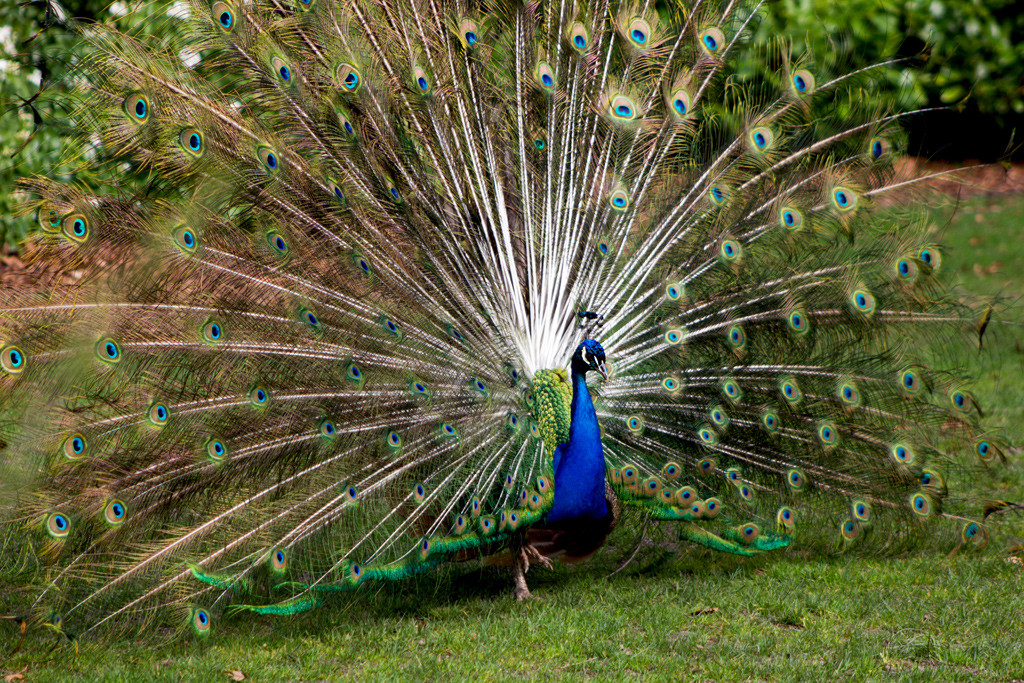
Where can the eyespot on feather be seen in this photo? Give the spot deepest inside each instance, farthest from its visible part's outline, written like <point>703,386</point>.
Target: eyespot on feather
<point>362,264</point>
<point>215,450</point>
<point>448,431</point>
<point>199,619</point>
<point>212,331</point>
<point>786,519</point>
<point>277,243</point>
<point>802,82</point>
<point>910,382</point>
<point>76,227</point>
<point>422,80</point>
<point>848,394</point>
<point>730,251</point>
<point>282,70</point>
<point>638,32</point>
<point>879,149</point>
<point>348,77</point>
<point>862,302</point>
<point>224,16</point>
<point>790,390</point>
<point>158,414</point>
<point>579,37</point>
<point>712,41</point>
<point>335,190</point>
<point>903,454</point>
<point>844,199</point>
<point>191,140</point>
<point>278,561</point>
<point>619,200</point>
<point>58,526</point>
<point>679,103</point>
<point>269,158</point>
<point>790,218</point>
<point>731,390</point>
<point>796,480</point>
<point>748,533</point>
<point>75,447</point>
<point>114,513</point>
<point>849,530</point>
<point>736,338</point>
<point>137,107</point>
<point>259,397</point>
<point>311,320</point>
<point>622,108</point>
<point>828,435</point>
<point>545,76</point>
<point>108,351</point>
<point>921,505</point>
<point>798,323</point>
<point>469,33</point>
<point>327,428</point>
<point>930,257</point>
<point>762,139</point>
<point>185,238</point>
<point>718,194</point>
<point>50,219</point>
<point>13,360</point>
<point>345,122</point>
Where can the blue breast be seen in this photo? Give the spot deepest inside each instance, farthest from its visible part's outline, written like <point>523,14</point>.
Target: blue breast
<point>579,463</point>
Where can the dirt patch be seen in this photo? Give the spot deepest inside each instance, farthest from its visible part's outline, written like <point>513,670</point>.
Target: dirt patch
<point>17,272</point>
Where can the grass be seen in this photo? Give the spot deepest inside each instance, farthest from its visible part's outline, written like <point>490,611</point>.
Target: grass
<point>927,618</point>
<point>699,616</point>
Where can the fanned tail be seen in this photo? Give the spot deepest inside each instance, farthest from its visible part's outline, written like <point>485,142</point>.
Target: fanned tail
<point>314,348</point>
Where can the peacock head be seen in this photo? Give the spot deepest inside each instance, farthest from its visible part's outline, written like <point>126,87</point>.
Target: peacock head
<point>589,356</point>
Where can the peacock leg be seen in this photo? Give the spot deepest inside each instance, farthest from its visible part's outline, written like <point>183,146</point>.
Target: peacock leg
<point>520,565</point>
<point>521,559</point>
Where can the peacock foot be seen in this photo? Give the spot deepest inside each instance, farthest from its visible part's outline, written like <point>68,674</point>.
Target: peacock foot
<point>533,555</point>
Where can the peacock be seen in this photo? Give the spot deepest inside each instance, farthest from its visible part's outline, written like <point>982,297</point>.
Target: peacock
<point>357,288</point>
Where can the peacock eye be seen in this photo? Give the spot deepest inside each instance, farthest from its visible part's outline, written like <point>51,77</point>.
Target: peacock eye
<point>803,82</point>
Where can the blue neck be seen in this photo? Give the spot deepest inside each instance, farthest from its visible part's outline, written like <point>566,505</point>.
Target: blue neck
<point>580,473</point>
<point>583,429</point>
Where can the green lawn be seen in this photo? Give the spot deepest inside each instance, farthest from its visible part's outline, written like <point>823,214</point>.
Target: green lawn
<point>924,616</point>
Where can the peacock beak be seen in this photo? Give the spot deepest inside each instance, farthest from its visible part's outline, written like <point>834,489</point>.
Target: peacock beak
<point>602,368</point>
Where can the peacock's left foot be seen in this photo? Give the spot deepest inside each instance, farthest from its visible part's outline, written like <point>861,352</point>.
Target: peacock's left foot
<point>531,554</point>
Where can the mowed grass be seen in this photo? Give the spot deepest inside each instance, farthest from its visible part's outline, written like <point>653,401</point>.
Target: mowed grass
<point>667,615</point>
